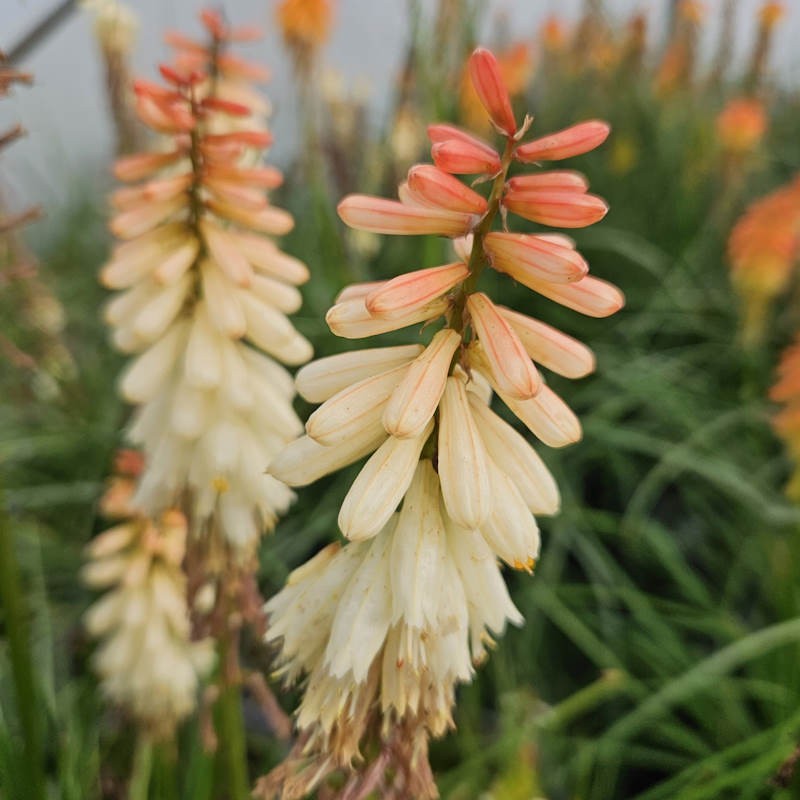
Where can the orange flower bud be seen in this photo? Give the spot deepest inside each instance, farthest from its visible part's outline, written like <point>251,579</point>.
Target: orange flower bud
<point>488,82</point>
<point>463,158</point>
<point>525,257</point>
<point>572,141</point>
<point>408,292</point>
<point>389,216</point>
<point>560,209</point>
<point>440,189</point>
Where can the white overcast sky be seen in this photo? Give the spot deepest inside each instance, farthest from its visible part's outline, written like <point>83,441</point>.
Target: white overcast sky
<point>66,115</point>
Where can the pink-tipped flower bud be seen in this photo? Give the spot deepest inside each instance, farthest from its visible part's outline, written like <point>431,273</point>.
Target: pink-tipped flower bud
<point>406,293</point>
<point>434,187</point>
<point>484,71</point>
<point>377,215</point>
<point>527,258</point>
<point>510,366</point>
<point>559,209</point>
<point>572,141</point>
<point>460,157</point>
<point>555,180</point>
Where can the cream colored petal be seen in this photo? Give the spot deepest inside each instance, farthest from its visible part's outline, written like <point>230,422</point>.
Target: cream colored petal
<point>305,461</point>
<point>418,554</point>
<point>323,378</point>
<point>463,459</point>
<point>146,376</point>
<point>414,402</point>
<point>514,456</point>
<point>353,408</point>
<point>380,486</point>
<point>363,617</point>
<point>351,320</point>
<point>548,417</point>
<point>511,530</point>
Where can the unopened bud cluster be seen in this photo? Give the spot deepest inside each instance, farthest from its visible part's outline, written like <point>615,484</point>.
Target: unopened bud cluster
<point>390,622</point>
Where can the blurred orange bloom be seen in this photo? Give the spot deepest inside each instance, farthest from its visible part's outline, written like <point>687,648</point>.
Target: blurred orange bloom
<point>554,34</point>
<point>771,13</point>
<point>763,247</point>
<point>786,423</point>
<point>741,125</point>
<point>305,23</point>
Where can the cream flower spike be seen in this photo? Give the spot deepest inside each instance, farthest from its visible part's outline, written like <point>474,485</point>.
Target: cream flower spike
<point>204,294</point>
<point>386,626</point>
<point>146,659</point>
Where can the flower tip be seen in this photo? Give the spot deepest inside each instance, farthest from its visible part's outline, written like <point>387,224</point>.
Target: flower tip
<point>485,74</point>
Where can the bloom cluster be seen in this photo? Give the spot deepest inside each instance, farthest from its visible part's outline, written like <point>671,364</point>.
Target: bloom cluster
<point>763,248</point>
<point>387,625</point>
<point>204,290</point>
<point>147,660</point>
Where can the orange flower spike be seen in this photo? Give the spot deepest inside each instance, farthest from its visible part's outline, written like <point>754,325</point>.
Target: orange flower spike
<point>510,366</point>
<point>485,74</point>
<point>559,209</point>
<point>440,189</point>
<point>527,258</point>
<point>573,141</point>
<point>413,290</point>
<point>741,125</point>
<point>377,215</point>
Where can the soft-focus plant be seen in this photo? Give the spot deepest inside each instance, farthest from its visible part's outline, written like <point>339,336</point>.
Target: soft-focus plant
<point>115,27</point>
<point>385,627</point>
<point>763,249</point>
<point>202,304</point>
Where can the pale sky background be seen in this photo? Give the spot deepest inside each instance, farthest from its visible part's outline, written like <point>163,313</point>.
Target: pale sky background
<point>70,130</point>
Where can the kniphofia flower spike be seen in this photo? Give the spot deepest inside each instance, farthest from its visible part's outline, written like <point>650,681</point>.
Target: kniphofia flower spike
<point>204,293</point>
<point>385,626</point>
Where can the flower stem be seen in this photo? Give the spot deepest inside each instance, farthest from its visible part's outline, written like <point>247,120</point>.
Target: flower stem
<point>16,625</point>
<point>142,769</point>
<point>477,259</point>
<point>232,754</point>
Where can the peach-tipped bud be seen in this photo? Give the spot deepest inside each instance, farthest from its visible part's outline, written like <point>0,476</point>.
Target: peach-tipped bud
<point>142,165</point>
<point>484,71</point>
<point>572,141</point>
<point>377,215</point>
<point>354,408</point>
<point>433,187</point>
<point>351,319</point>
<point>590,296</point>
<point>550,347</point>
<point>407,293</point>
<point>555,180</point>
<point>559,209</point>
<point>464,158</point>
<point>510,365</point>
<point>525,257</point>
<point>414,401</point>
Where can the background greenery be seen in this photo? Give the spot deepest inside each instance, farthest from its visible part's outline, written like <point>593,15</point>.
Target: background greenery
<point>661,652</point>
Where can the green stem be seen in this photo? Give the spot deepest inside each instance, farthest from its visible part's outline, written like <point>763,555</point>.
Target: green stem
<point>17,633</point>
<point>232,755</point>
<point>142,769</point>
<point>477,258</point>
